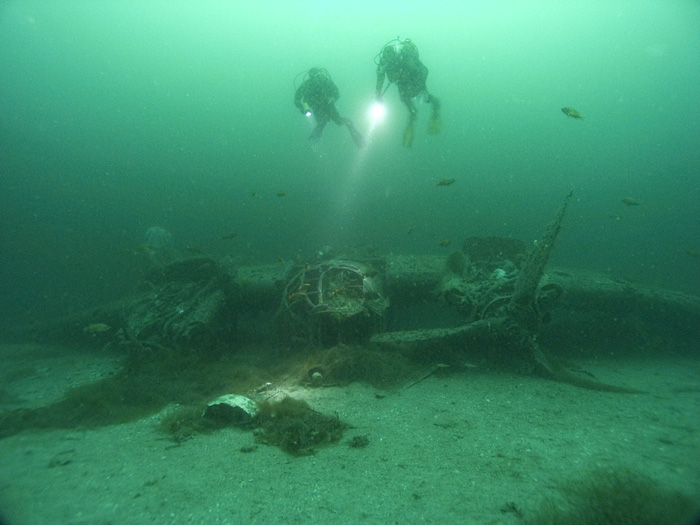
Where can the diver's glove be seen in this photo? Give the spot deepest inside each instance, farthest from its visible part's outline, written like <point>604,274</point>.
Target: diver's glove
<point>378,96</point>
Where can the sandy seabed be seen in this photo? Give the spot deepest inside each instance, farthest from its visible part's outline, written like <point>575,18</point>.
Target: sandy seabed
<point>473,446</point>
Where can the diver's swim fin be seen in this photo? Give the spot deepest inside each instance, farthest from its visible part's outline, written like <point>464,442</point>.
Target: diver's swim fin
<point>408,136</point>
<point>434,125</point>
<point>316,134</point>
<point>356,137</point>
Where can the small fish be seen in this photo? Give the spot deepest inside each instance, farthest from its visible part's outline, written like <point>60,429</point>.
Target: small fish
<point>615,217</point>
<point>571,112</point>
<point>409,230</point>
<point>97,328</point>
<point>193,249</point>
<point>141,248</point>
<point>370,272</point>
<point>584,372</point>
<point>281,193</point>
<point>445,182</point>
<point>629,201</point>
<point>229,236</point>
<point>691,252</point>
<point>444,242</point>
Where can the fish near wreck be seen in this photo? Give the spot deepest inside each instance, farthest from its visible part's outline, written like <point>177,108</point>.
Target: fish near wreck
<point>571,112</point>
<point>96,329</point>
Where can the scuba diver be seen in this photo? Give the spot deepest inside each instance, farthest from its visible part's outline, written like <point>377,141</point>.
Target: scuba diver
<point>317,96</point>
<point>398,61</point>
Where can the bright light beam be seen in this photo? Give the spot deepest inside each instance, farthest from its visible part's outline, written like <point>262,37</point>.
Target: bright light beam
<point>377,112</point>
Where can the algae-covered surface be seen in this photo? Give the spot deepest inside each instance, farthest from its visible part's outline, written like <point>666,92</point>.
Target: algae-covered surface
<point>463,445</point>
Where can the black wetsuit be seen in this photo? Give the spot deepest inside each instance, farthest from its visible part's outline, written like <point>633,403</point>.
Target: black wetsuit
<point>404,68</point>
<point>320,94</point>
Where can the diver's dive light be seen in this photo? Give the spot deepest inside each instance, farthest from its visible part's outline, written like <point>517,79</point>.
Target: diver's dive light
<point>377,112</point>
<point>307,109</point>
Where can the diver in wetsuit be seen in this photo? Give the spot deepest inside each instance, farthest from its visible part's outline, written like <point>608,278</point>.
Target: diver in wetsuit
<point>317,96</point>
<point>399,63</point>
